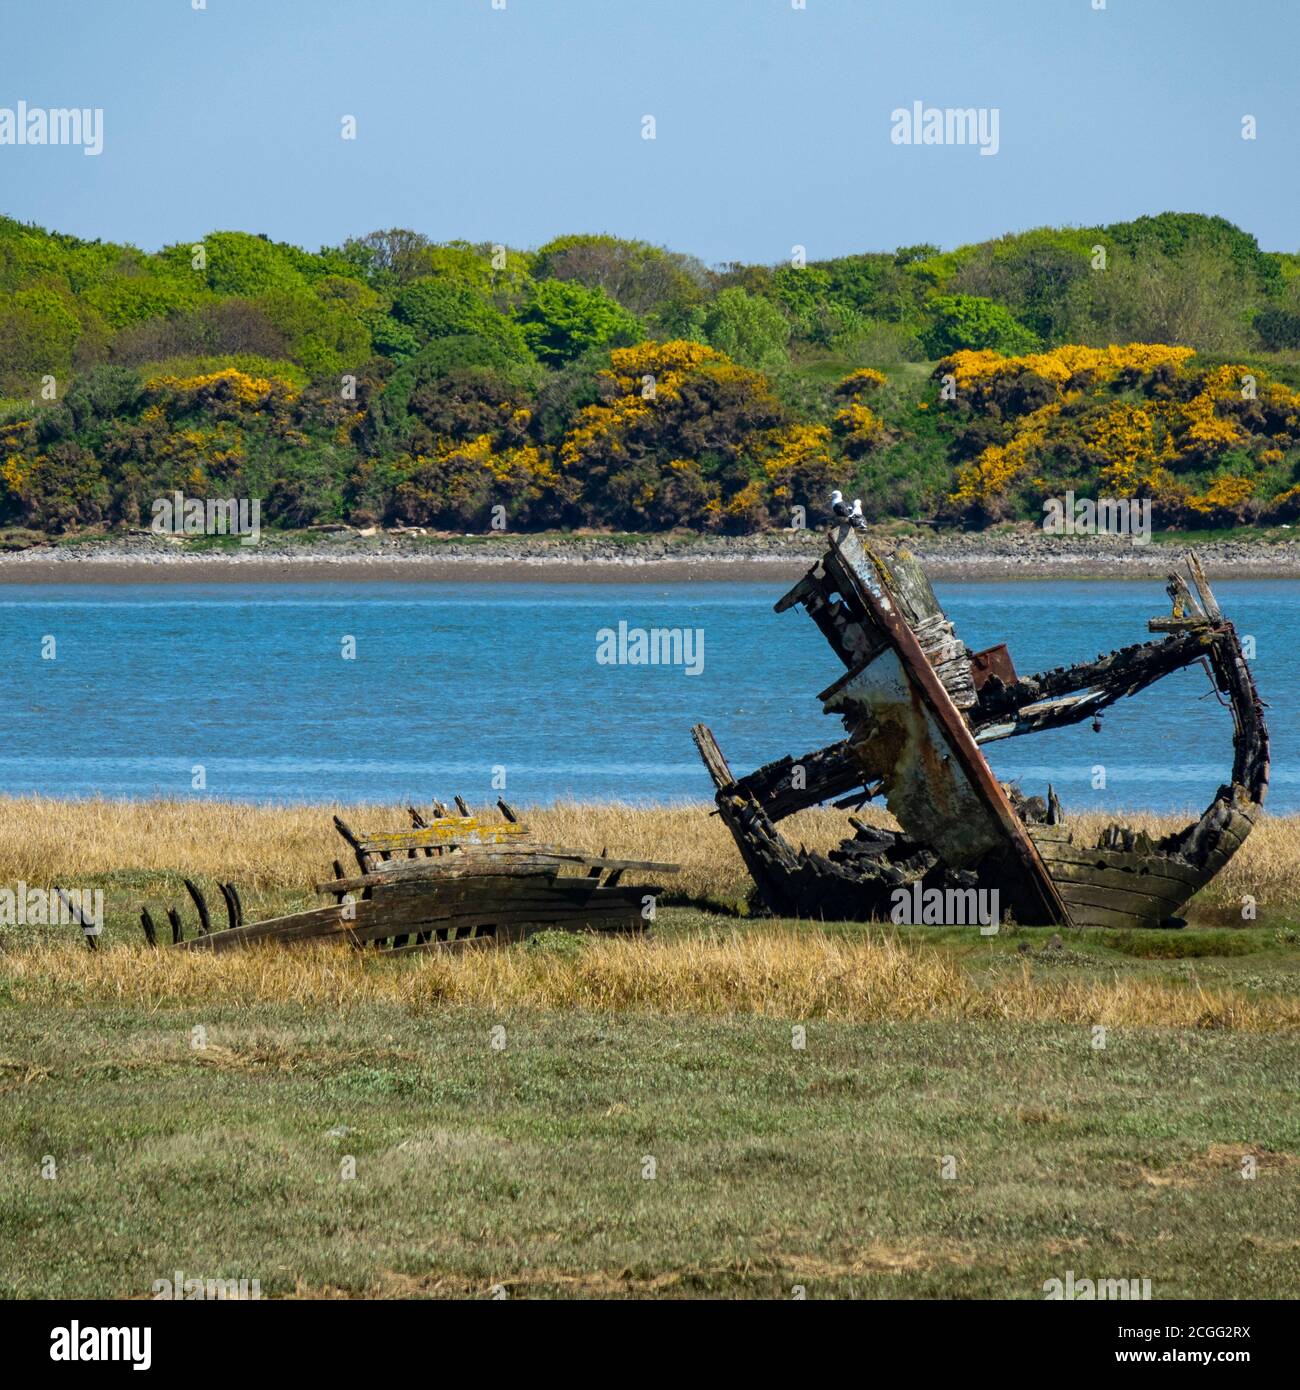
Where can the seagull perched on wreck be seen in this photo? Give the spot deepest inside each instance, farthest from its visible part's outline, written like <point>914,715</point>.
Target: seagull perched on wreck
<point>838,505</point>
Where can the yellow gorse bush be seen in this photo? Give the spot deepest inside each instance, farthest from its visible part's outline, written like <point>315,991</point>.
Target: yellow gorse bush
<point>1063,364</point>
<point>1225,493</point>
<point>995,469</point>
<point>1132,446</point>
<point>251,392</point>
<point>647,375</point>
<point>859,426</point>
<point>864,379</point>
<point>798,449</point>
<point>1138,447</point>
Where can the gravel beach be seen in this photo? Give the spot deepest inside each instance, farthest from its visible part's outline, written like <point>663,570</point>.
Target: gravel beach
<point>353,556</point>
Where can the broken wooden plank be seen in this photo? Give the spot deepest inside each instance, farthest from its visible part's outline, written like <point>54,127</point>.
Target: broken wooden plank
<point>451,830</point>
<point>1208,601</point>
<point>535,863</point>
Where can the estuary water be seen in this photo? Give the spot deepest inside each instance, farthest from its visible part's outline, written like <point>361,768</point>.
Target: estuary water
<point>393,691</point>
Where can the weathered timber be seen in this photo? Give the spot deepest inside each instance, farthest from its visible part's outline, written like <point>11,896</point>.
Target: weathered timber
<point>464,906</point>
<point>906,730</point>
<point>536,861</point>
<point>460,881</point>
<point>799,884</point>
<point>792,784</point>
<point>916,707</point>
<point>205,921</point>
<point>88,929</point>
<point>234,909</point>
<point>447,832</point>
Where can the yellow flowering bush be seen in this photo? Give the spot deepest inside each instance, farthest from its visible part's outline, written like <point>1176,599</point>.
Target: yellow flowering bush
<point>1061,365</point>
<point>228,385</point>
<point>1225,494</point>
<point>864,379</point>
<point>1140,417</point>
<point>859,428</point>
<point>461,481</point>
<point>985,480</point>
<point>670,402</point>
<point>799,464</point>
<point>1127,439</point>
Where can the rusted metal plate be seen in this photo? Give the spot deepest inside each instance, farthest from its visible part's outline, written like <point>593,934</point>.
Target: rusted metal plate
<point>993,661</point>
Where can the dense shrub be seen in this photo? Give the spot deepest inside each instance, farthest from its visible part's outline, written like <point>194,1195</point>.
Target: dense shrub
<point>969,321</point>
<point>606,382</point>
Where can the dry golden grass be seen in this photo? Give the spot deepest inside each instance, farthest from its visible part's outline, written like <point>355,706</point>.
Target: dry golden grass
<point>774,974</point>
<point>43,840</point>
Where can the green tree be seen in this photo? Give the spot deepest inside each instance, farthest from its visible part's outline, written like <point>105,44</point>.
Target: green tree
<point>38,331</point>
<point>645,279</point>
<point>1197,298</point>
<point>433,309</point>
<point>969,321</point>
<point>1173,234</point>
<point>747,327</point>
<point>802,291</point>
<point>562,319</point>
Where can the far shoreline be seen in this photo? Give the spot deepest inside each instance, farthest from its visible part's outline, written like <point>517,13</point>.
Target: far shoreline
<point>110,573</point>
<point>350,556</point>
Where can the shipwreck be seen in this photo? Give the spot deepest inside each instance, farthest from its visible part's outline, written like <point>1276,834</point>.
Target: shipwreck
<point>450,882</point>
<point>918,707</point>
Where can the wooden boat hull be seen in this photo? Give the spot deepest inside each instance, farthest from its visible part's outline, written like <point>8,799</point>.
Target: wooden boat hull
<point>449,884</point>
<point>917,707</point>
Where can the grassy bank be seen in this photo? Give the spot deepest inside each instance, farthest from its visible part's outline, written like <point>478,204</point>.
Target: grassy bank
<point>503,1111</point>
<point>524,1168</point>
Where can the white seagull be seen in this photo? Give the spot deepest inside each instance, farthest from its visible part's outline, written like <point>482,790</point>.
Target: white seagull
<point>837,504</point>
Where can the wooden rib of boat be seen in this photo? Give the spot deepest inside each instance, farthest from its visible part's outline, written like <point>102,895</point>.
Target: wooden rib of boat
<point>918,707</point>
<point>453,882</point>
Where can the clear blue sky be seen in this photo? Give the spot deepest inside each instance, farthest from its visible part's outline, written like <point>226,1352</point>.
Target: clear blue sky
<point>773,124</point>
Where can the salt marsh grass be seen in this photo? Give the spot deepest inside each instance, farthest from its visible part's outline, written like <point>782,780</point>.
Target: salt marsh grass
<point>43,840</point>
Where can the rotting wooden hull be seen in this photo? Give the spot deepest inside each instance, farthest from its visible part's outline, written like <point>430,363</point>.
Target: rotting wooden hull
<point>916,707</point>
<point>453,883</point>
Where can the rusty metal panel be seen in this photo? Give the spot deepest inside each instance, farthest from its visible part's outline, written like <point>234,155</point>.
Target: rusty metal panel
<point>993,661</point>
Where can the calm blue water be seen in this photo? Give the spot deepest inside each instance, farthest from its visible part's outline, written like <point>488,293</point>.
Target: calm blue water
<point>450,682</point>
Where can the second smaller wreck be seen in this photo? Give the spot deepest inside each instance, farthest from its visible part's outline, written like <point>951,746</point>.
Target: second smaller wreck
<point>448,883</point>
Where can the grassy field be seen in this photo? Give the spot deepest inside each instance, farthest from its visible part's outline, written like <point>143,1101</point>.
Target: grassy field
<point>737,1107</point>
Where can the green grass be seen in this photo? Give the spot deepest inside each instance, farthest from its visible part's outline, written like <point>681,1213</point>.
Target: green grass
<point>521,1167</point>
<point>1216,535</point>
